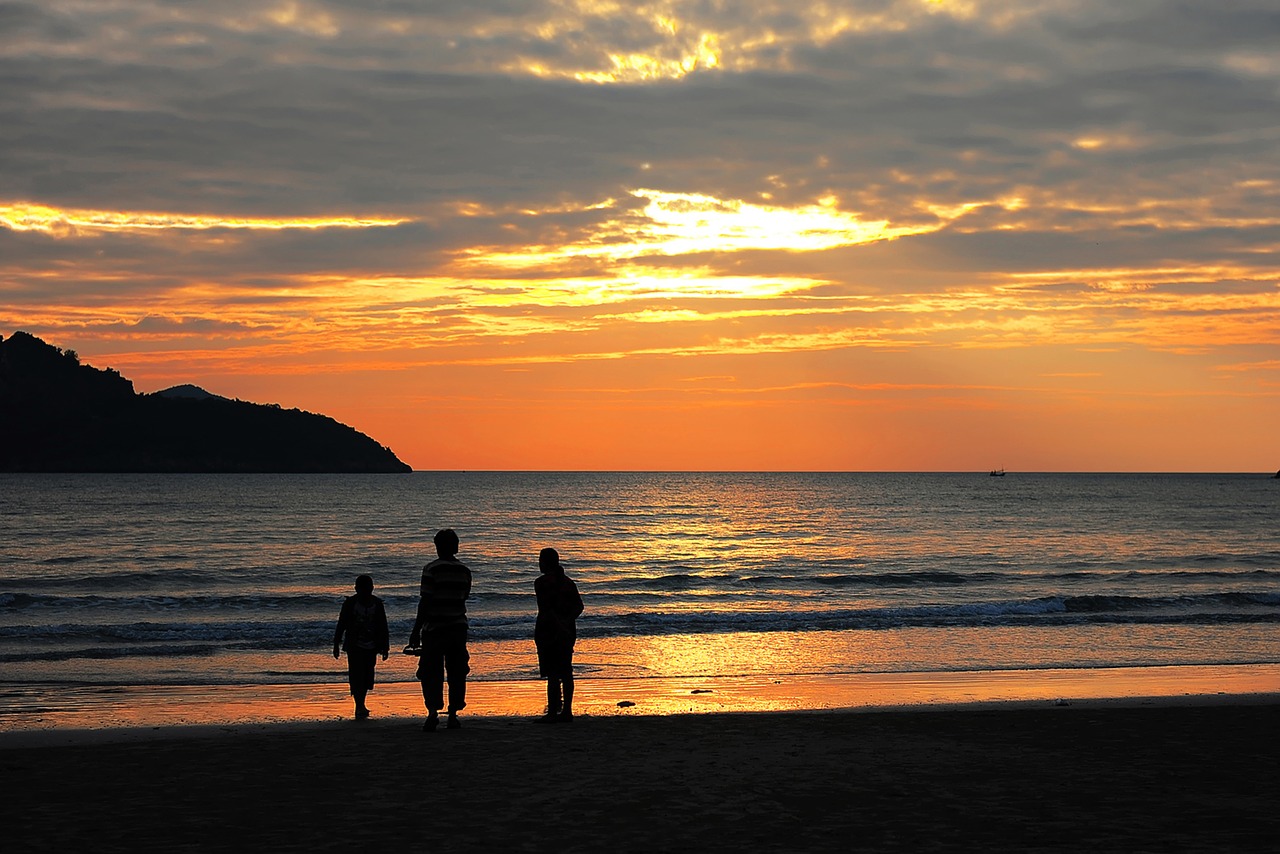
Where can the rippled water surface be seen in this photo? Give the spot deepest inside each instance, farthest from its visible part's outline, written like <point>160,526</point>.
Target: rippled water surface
<point>191,579</point>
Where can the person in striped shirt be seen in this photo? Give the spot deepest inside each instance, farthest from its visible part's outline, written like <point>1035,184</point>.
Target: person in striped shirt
<point>441,631</point>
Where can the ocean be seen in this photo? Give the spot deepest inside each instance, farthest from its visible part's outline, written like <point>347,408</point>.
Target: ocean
<point>204,580</point>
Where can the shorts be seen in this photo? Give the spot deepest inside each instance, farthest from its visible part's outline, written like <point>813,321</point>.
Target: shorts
<point>555,657</point>
<point>360,666</point>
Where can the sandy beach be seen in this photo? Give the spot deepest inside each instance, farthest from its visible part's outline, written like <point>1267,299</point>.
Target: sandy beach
<point>1197,774</point>
<point>38,714</point>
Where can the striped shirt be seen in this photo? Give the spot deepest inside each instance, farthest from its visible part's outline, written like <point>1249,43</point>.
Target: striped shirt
<point>446,584</point>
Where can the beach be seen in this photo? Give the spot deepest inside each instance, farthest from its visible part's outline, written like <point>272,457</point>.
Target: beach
<point>939,662</point>
<point>217,601</point>
<point>1168,774</point>
<point>98,713</point>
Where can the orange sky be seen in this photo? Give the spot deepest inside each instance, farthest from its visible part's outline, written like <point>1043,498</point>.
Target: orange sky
<point>898,235</point>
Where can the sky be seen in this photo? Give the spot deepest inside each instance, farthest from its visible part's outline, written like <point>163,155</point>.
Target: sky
<point>875,235</point>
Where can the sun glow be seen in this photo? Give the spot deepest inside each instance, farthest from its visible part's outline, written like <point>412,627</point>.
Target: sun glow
<point>675,224</point>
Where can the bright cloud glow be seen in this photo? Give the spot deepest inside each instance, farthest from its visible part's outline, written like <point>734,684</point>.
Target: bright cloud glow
<point>683,38</point>
<point>675,224</point>
<point>62,222</point>
<point>944,230</point>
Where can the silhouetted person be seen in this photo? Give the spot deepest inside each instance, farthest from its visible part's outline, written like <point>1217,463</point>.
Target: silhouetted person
<point>441,628</point>
<point>554,634</point>
<point>362,632</point>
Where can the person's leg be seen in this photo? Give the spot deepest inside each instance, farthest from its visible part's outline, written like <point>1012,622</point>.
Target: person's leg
<point>553,696</point>
<point>547,670</point>
<point>428,693</point>
<point>458,664</point>
<point>354,680</point>
<point>370,666</point>
<point>358,693</point>
<point>566,711</point>
<point>431,672</point>
<point>564,666</point>
<point>358,678</point>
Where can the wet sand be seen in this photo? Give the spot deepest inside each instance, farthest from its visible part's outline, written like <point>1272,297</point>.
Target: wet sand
<point>1166,775</point>
<point>112,712</point>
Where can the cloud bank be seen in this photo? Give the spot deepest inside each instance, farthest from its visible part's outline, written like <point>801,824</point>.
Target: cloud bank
<point>1054,200</point>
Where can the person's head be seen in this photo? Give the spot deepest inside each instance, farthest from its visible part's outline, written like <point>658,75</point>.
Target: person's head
<point>549,561</point>
<point>364,584</point>
<point>446,543</point>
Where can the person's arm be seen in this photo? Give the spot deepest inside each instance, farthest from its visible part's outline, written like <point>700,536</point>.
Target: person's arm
<point>424,596</point>
<point>576,601</point>
<point>415,636</point>
<point>343,618</point>
<point>545,603</point>
<point>384,633</point>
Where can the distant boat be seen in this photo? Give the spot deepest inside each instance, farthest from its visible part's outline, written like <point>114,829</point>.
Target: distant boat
<point>1000,473</point>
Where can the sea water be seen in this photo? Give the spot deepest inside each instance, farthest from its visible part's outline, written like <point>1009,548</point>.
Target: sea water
<point>135,580</point>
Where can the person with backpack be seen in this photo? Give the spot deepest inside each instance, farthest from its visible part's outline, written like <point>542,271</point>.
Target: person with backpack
<point>362,633</point>
<point>555,632</point>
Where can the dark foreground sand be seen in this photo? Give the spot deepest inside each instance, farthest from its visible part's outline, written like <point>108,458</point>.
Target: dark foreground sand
<point>1138,778</point>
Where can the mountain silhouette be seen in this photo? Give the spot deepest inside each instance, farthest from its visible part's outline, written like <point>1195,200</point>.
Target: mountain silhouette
<point>57,414</point>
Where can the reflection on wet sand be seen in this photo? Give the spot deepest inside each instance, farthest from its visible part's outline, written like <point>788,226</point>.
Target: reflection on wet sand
<point>102,708</point>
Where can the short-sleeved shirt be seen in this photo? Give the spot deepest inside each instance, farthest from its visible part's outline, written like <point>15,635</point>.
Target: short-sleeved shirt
<point>446,584</point>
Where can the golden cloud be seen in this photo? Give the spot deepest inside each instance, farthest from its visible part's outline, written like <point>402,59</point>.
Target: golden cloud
<point>676,224</point>
<point>72,222</point>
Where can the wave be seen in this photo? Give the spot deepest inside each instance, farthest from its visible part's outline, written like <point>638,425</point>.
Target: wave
<point>285,604</point>
<point>102,653</point>
<point>233,630</point>
<point>678,581</point>
<point>908,579</point>
<point>937,580</point>
<point>124,581</point>
<point>1107,604</point>
<point>173,602</point>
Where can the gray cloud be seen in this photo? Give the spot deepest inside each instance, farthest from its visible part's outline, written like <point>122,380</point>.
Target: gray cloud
<point>1079,110</point>
<point>275,122</point>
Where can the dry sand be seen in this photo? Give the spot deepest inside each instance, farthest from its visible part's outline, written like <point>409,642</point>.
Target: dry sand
<point>1130,777</point>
